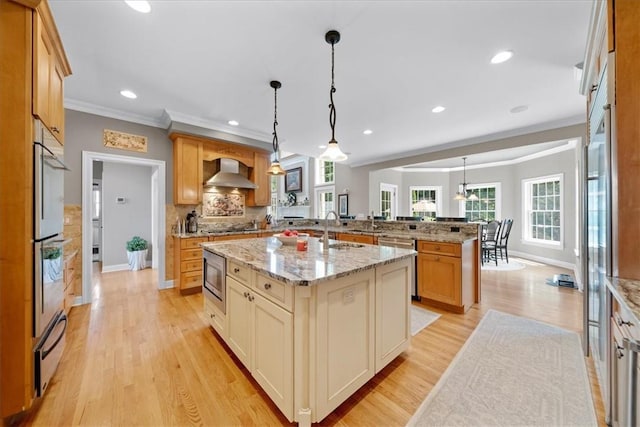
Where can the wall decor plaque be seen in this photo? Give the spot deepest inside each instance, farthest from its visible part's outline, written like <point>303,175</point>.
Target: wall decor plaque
<point>124,141</point>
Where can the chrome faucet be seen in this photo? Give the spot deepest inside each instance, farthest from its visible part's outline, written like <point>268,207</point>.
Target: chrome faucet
<point>373,225</point>
<point>325,238</point>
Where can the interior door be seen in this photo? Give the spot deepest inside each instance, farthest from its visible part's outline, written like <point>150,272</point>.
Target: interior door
<point>388,200</point>
<point>96,220</point>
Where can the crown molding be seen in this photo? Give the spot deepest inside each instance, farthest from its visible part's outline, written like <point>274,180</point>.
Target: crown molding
<point>86,107</point>
<point>215,125</point>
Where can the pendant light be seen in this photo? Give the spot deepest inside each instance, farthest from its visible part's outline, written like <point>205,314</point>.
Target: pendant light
<point>464,194</point>
<point>333,152</point>
<point>275,168</point>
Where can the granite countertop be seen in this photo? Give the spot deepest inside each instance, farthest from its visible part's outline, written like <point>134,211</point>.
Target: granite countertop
<point>627,292</point>
<point>450,237</point>
<point>306,268</point>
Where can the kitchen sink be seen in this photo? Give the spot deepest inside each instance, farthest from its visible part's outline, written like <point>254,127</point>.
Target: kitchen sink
<point>345,245</point>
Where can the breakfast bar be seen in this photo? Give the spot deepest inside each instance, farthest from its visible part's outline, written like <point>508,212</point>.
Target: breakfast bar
<point>311,326</point>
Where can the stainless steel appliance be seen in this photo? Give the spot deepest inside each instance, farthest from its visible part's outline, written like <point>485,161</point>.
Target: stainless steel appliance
<point>49,319</point>
<point>405,243</point>
<point>214,282</point>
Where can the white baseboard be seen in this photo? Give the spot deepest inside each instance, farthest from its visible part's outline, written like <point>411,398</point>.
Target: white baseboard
<point>550,261</point>
<point>168,284</point>
<point>115,267</point>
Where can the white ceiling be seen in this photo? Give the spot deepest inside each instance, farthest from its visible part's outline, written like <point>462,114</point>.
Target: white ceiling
<point>207,62</point>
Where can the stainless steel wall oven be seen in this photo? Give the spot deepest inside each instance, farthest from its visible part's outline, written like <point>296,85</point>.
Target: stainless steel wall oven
<point>49,319</point>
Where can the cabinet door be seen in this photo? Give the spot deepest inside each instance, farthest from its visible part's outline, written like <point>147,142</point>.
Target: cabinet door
<point>393,314</point>
<point>56,99</point>
<point>260,196</point>
<point>215,318</point>
<point>43,59</point>
<point>187,172</point>
<point>239,321</point>
<point>273,352</point>
<point>357,238</point>
<point>439,278</point>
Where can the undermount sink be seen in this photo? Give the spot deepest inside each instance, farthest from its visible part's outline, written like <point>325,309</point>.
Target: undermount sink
<point>364,231</point>
<point>345,245</point>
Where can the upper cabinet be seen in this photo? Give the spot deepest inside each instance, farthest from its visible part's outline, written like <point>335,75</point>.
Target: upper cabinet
<point>50,67</point>
<point>189,153</point>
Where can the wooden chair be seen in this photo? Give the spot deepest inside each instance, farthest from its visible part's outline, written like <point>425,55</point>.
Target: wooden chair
<point>503,239</point>
<point>490,241</point>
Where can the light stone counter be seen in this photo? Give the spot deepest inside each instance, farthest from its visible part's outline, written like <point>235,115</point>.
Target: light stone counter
<point>305,268</point>
<point>627,292</point>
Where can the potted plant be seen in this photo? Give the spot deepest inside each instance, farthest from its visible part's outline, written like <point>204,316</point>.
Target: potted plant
<point>137,253</point>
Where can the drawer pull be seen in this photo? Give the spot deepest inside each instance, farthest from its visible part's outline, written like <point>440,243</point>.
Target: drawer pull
<point>624,322</point>
<point>236,270</point>
<point>437,248</point>
<point>212,315</point>
<point>267,285</point>
<point>251,297</point>
<point>246,294</point>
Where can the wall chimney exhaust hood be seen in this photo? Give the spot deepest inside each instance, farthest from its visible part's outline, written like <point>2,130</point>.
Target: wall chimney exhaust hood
<point>229,175</point>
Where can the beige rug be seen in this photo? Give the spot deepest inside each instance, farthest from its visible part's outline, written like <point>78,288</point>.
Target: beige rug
<point>512,265</point>
<point>421,318</point>
<point>512,371</point>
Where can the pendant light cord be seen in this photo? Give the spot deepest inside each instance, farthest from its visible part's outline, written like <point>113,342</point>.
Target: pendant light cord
<point>332,108</point>
<point>276,146</point>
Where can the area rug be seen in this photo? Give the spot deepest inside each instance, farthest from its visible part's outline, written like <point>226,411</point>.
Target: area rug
<point>421,318</point>
<point>512,265</point>
<point>512,371</point>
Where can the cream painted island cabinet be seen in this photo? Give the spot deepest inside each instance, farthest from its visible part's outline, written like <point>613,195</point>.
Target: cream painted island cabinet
<point>313,326</point>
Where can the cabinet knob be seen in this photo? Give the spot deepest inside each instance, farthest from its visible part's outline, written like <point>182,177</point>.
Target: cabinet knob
<point>236,270</point>
<point>55,129</point>
<point>624,322</point>
<point>212,315</point>
<point>437,248</point>
<point>267,285</point>
<point>246,294</point>
<point>251,297</point>
<point>619,352</point>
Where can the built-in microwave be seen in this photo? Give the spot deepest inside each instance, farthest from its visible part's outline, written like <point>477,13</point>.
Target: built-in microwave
<point>214,282</point>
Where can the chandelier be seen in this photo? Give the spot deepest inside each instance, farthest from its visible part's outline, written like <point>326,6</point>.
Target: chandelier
<point>275,168</point>
<point>465,194</point>
<point>333,152</point>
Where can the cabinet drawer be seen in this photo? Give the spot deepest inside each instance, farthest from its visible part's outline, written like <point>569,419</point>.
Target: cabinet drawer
<point>275,291</point>
<point>191,265</point>
<point>451,249</point>
<point>240,272</point>
<point>188,254</point>
<point>358,238</point>
<point>192,243</point>
<point>627,323</point>
<point>190,279</point>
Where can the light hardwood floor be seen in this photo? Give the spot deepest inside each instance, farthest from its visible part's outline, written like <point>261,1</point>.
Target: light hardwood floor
<point>139,356</point>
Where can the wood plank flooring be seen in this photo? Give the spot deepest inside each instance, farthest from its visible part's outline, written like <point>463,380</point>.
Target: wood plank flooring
<point>139,356</point>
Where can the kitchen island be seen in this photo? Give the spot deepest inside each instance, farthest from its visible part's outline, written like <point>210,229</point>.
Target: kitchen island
<point>313,326</point>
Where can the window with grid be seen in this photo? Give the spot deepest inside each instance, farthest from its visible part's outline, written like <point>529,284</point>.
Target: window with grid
<point>424,201</point>
<point>325,172</point>
<point>325,200</point>
<point>486,207</point>
<point>543,210</point>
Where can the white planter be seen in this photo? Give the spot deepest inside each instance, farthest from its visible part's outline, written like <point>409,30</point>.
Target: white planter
<point>137,260</point>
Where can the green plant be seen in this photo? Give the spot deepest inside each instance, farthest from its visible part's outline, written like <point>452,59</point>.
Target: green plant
<point>136,244</point>
<point>51,253</point>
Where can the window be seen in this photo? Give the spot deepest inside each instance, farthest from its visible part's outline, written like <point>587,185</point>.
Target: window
<point>543,210</point>
<point>325,172</point>
<point>388,200</point>
<point>486,208</point>
<point>325,200</point>
<point>425,202</point>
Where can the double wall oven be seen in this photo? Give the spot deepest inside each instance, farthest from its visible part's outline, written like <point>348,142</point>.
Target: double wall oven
<point>49,319</point>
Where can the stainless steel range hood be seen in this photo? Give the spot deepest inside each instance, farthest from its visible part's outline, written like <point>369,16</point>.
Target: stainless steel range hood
<point>229,175</point>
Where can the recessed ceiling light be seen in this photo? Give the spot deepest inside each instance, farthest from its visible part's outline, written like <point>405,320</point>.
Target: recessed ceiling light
<point>367,132</point>
<point>128,94</point>
<point>141,6</point>
<point>322,147</point>
<point>233,123</point>
<point>519,109</point>
<point>438,109</point>
<point>500,57</point>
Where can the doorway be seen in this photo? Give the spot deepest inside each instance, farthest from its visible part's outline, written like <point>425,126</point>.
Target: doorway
<point>388,200</point>
<point>158,232</point>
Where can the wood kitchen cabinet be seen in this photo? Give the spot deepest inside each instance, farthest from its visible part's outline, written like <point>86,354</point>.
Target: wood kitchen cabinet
<point>69,276</point>
<point>260,196</point>
<point>187,264</point>
<point>187,171</point>
<point>445,274</point>
<point>49,70</point>
<point>357,238</point>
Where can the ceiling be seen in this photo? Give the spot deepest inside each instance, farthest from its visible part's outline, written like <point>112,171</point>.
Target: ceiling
<point>207,62</point>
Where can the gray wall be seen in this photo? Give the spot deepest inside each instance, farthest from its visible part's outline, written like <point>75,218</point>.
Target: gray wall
<point>123,221</point>
<point>83,132</point>
<point>436,179</point>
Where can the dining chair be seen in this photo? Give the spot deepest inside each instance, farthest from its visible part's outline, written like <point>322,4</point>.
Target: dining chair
<point>503,239</point>
<point>490,241</point>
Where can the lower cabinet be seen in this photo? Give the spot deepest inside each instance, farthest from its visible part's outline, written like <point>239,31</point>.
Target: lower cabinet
<point>216,318</point>
<point>187,264</point>
<point>69,281</point>
<point>260,333</point>
<point>357,238</point>
<point>446,274</point>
